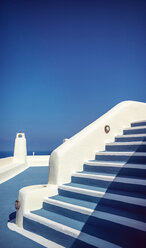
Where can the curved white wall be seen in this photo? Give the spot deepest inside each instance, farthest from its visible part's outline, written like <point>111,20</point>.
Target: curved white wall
<point>71,155</point>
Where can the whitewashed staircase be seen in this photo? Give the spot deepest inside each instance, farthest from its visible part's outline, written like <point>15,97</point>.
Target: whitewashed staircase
<point>103,206</point>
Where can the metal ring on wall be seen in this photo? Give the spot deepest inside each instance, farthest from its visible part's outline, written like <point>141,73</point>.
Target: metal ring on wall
<point>17,204</point>
<point>107,128</point>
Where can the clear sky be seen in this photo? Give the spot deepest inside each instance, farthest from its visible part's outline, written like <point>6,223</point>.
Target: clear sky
<point>64,63</point>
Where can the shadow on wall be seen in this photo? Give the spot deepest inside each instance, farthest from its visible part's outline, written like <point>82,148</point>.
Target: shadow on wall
<point>108,229</point>
<point>12,216</point>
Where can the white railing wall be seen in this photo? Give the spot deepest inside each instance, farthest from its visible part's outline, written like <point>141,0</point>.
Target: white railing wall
<point>6,161</point>
<point>71,155</point>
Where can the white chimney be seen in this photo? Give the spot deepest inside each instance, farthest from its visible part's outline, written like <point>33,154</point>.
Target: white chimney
<point>20,150</point>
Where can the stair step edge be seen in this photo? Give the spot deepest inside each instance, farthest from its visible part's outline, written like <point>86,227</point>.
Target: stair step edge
<point>141,154</point>
<point>126,143</point>
<point>129,222</point>
<point>69,206</point>
<point>115,164</point>
<point>131,135</point>
<point>33,236</point>
<point>93,176</point>
<point>136,181</point>
<point>109,196</point>
<point>97,242</point>
<point>53,224</point>
<point>135,128</point>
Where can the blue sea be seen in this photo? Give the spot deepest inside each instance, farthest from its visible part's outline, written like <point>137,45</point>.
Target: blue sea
<point>4,154</point>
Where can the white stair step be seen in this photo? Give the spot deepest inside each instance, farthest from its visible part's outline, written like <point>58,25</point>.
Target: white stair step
<point>82,191</point>
<point>103,163</point>
<point>69,206</point>
<point>33,236</point>
<point>112,178</point>
<point>135,128</point>
<point>101,215</point>
<point>126,199</point>
<point>126,143</point>
<point>133,181</point>
<point>136,224</point>
<point>143,154</point>
<point>97,242</point>
<point>109,196</point>
<point>94,176</point>
<point>132,135</point>
<point>53,224</point>
<point>116,164</point>
<point>135,122</point>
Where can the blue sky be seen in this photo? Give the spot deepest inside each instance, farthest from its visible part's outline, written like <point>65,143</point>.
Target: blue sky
<point>65,63</point>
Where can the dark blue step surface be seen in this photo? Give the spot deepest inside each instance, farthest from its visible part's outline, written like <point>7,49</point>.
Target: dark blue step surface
<point>82,197</point>
<point>129,208</point>
<point>62,219</point>
<point>126,148</point>
<point>87,183</point>
<point>122,171</point>
<point>115,213</point>
<point>132,173</point>
<point>91,182</point>
<point>128,187</point>
<point>75,201</point>
<point>88,187</point>
<point>109,169</point>
<point>130,139</point>
<point>81,244</point>
<point>65,212</point>
<point>121,158</point>
<point>135,131</point>
<point>124,192</point>
<point>115,233</point>
<point>137,124</point>
<point>98,173</point>
<point>48,233</point>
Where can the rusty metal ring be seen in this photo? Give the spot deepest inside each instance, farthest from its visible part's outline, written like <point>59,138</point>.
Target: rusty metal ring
<point>17,204</point>
<point>107,129</point>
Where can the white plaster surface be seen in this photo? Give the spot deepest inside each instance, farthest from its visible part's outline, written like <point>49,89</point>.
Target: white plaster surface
<point>5,161</point>
<point>70,156</point>
<point>31,198</point>
<point>10,168</point>
<point>20,150</point>
<point>38,160</point>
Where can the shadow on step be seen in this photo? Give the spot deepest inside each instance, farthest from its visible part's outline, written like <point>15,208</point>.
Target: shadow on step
<point>120,222</point>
